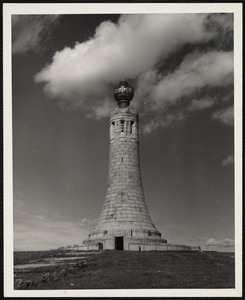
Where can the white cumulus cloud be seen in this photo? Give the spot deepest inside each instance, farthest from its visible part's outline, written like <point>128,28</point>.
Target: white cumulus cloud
<point>83,75</point>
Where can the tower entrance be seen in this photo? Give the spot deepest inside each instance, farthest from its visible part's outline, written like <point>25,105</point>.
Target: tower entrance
<point>119,242</point>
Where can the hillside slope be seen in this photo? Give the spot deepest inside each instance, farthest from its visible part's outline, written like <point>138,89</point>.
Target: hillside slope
<point>123,270</point>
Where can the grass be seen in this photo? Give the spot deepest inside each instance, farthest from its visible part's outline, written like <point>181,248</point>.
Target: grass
<point>125,270</point>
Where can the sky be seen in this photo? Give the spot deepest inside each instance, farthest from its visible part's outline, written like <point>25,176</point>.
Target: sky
<point>64,69</point>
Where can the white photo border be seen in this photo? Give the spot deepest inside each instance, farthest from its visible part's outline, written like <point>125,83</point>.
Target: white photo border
<point>118,8</point>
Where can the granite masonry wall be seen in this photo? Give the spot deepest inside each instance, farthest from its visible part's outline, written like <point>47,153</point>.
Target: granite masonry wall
<point>124,213</point>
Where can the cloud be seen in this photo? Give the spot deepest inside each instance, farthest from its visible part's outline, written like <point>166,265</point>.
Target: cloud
<point>46,237</point>
<point>42,229</point>
<point>138,47</point>
<point>197,70</point>
<point>222,243</point>
<point>31,32</point>
<point>200,104</point>
<point>229,160</point>
<point>38,233</point>
<point>225,116</point>
<point>163,121</point>
<point>86,222</point>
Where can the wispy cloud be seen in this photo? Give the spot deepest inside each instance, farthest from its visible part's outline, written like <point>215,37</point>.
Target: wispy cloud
<point>229,160</point>
<point>225,243</point>
<point>225,116</point>
<point>200,104</point>
<point>40,229</point>
<point>86,222</point>
<point>163,121</point>
<point>31,32</point>
<point>82,76</point>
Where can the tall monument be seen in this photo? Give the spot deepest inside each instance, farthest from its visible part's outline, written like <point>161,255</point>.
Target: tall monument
<point>125,222</point>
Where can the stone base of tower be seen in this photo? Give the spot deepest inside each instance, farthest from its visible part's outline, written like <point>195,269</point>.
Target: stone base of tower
<point>123,243</point>
<point>135,245</point>
<point>124,239</point>
<point>137,240</point>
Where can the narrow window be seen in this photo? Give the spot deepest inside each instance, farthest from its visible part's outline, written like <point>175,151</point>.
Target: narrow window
<point>131,127</point>
<point>112,130</point>
<point>122,125</point>
<point>122,159</point>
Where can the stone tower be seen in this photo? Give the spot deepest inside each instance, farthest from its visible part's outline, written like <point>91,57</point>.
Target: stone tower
<point>125,222</point>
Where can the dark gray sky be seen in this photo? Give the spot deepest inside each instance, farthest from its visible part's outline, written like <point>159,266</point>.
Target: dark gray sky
<point>64,69</point>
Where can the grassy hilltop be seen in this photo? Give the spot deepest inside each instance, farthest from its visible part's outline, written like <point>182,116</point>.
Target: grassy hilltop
<point>57,269</point>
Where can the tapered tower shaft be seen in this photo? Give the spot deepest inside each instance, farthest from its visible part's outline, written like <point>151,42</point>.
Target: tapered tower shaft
<point>125,221</point>
<point>124,205</point>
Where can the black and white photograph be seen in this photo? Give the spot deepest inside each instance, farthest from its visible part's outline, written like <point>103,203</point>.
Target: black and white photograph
<point>122,138</point>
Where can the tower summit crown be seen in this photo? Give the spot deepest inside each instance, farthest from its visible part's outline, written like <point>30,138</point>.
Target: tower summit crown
<point>123,93</point>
